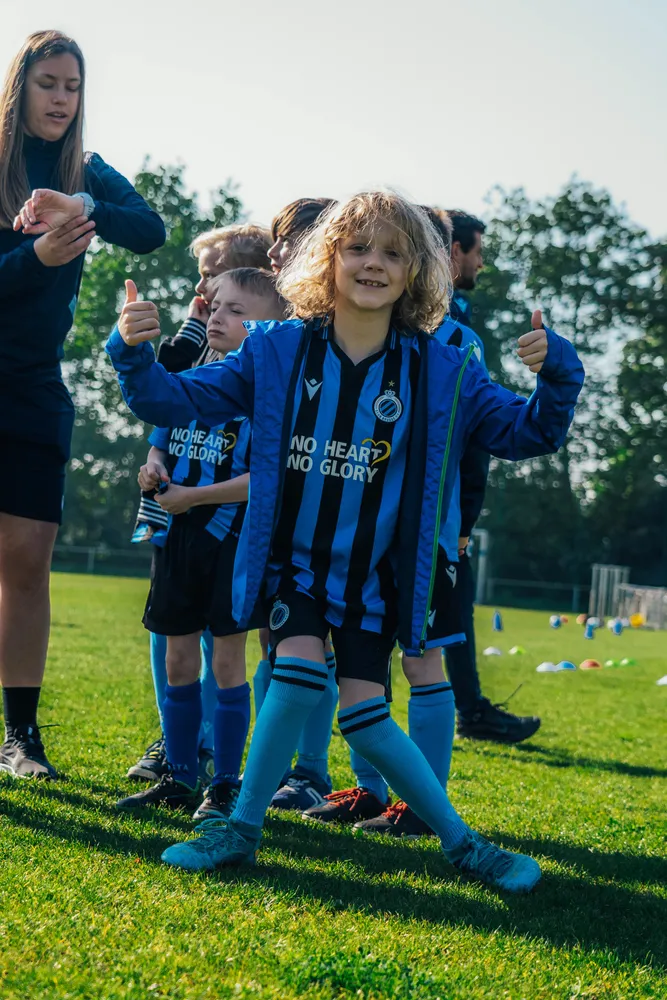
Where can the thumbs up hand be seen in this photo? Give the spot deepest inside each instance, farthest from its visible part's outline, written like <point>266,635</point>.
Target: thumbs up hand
<point>533,345</point>
<point>138,321</point>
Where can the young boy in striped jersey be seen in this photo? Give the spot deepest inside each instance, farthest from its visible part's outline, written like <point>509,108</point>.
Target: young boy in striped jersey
<point>205,470</point>
<point>343,522</point>
<point>216,251</point>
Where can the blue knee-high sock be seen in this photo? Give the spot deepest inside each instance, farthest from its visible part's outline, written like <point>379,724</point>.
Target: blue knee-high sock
<point>209,690</point>
<point>367,776</point>
<point>158,654</point>
<point>296,687</point>
<point>431,716</point>
<point>368,727</point>
<point>260,684</point>
<point>182,719</point>
<point>232,721</point>
<point>313,746</point>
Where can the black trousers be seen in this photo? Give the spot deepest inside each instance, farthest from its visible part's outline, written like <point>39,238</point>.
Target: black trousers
<point>461,660</point>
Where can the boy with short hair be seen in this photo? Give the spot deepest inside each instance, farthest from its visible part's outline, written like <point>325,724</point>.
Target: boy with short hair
<point>203,475</point>
<point>216,251</point>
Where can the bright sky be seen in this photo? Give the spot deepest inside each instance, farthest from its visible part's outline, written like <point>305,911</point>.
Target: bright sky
<point>440,100</point>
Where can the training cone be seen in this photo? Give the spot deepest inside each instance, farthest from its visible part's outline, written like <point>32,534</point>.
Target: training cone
<point>637,620</point>
<point>612,663</point>
<point>564,619</point>
<point>492,651</point>
<point>517,651</point>
<point>581,619</point>
<point>590,665</point>
<point>617,627</point>
<point>547,668</point>
<point>662,682</point>
<point>566,665</point>
<point>593,622</point>
<point>555,621</point>
<point>627,662</point>
<point>497,624</point>
<point>589,632</point>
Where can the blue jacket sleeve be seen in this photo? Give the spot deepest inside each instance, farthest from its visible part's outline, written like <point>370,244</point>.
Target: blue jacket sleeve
<point>121,216</point>
<point>510,426</point>
<point>21,270</point>
<point>211,393</point>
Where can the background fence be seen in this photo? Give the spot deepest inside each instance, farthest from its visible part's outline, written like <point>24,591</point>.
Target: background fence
<point>136,561</point>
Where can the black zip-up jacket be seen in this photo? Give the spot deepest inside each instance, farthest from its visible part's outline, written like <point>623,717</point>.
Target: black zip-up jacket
<point>37,303</point>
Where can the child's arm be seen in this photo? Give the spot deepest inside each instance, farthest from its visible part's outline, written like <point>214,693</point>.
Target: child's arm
<point>179,499</point>
<point>212,393</point>
<point>512,427</point>
<point>181,352</point>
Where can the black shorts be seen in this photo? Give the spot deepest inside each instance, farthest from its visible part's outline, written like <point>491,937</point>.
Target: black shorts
<point>445,620</point>
<point>32,481</point>
<point>360,654</point>
<point>191,582</point>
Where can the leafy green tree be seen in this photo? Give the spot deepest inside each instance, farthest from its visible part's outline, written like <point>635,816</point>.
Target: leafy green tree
<point>629,510</point>
<point>580,259</point>
<point>109,444</point>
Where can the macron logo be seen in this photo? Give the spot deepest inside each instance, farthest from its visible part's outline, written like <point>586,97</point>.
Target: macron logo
<point>451,573</point>
<point>431,619</point>
<point>312,387</point>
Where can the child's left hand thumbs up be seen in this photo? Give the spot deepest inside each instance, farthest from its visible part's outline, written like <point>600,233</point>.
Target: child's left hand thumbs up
<point>533,346</point>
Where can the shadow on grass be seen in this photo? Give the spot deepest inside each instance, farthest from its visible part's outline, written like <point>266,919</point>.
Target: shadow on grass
<point>565,910</point>
<point>534,753</point>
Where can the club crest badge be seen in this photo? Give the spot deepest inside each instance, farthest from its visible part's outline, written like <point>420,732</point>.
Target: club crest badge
<point>388,407</point>
<point>278,617</point>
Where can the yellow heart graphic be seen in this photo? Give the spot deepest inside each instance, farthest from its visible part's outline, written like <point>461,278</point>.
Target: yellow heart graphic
<point>230,442</point>
<point>376,444</point>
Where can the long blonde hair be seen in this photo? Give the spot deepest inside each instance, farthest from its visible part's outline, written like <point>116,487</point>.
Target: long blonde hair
<point>308,280</point>
<point>14,187</point>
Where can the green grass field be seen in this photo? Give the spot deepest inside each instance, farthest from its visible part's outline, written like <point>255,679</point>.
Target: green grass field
<point>87,910</point>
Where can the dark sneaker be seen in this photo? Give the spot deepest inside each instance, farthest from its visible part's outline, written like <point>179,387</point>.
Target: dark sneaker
<point>397,821</point>
<point>168,792</point>
<point>23,756</point>
<point>206,766</point>
<point>348,806</point>
<point>302,790</point>
<point>152,765</point>
<point>219,801</point>
<point>492,722</point>
<point>484,861</point>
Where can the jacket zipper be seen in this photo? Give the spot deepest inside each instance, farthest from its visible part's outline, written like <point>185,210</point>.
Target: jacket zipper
<point>438,514</point>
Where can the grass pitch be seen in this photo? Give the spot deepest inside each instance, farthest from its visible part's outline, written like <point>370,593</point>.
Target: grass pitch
<point>87,912</point>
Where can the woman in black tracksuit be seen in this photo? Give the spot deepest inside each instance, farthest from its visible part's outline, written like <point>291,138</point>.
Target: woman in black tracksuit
<point>53,200</point>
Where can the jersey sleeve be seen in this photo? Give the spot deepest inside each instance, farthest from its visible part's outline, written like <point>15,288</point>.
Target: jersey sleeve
<point>121,215</point>
<point>212,393</point>
<point>159,438</point>
<point>181,352</point>
<point>510,426</point>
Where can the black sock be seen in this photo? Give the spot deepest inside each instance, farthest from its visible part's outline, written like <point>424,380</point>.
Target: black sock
<point>20,704</point>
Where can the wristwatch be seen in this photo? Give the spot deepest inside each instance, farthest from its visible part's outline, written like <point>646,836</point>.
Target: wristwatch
<point>88,203</point>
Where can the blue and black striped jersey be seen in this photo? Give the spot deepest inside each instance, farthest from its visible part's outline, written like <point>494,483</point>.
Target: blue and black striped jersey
<point>199,456</point>
<point>344,478</point>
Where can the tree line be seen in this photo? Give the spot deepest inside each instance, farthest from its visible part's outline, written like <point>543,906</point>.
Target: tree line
<point>600,280</point>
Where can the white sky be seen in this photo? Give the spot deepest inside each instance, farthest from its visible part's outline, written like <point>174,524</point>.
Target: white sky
<point>439,99</point>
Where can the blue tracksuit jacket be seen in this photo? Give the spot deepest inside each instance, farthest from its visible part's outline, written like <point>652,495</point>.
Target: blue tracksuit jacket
<point>455,402</point>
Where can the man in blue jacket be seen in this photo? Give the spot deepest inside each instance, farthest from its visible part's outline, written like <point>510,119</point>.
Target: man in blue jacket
<point>477,717</point>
